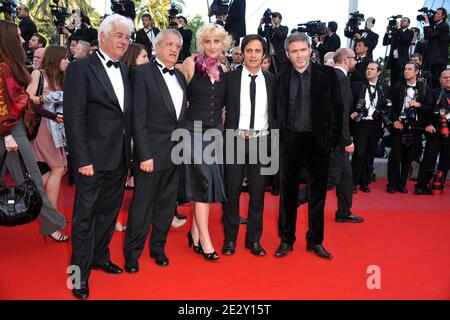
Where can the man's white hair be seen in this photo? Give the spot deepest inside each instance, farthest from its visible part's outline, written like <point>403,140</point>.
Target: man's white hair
<point>162,33</point>
<point>115,20</point>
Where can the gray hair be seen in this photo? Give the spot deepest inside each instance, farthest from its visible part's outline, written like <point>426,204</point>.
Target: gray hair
<point>85,46</point>
<point>115,20</point>
<point>328,58</point>
<point>297,37</point>
<point>162,33</point>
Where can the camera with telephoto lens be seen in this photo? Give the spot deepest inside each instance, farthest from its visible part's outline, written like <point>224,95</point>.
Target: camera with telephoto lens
<point>382,114</point>
<point>409,117</point>
<point>444,117</point>
<point>59,14</point>
<point>8,6</point>
<point>361,110</point>
<point>355,21</point>
<point>173,12</point>
<point>314,28</point>
<point>426,12</point>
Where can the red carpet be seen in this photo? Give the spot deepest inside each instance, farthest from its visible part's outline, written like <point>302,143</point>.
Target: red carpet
<point>406,236</point>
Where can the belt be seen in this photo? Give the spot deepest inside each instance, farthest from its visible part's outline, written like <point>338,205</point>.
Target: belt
<point>250,134</point>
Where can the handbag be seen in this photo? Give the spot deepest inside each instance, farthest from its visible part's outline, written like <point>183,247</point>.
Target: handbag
<point>19,204</point>
<point>31,119</point>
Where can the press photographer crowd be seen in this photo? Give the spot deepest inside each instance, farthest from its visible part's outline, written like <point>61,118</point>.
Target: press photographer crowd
<point>101,106</point>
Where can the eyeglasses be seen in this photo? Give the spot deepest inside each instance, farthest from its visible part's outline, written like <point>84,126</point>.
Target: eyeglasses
<point>171,45</point>
<point>122,37</point>
<point>354,57</point>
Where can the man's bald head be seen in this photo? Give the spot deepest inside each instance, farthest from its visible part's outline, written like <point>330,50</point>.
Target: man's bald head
<point>37,57</point>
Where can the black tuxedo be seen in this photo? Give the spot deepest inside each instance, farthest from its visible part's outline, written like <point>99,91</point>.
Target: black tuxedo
<point>401,40</point>
<point>369,35</point>
<point>277,36</point>
<point>155,196</point>
<point>142,38</point>
<point>98,134</point>
<point>236,19</point>
<point>402,150</point>
<point>84,33</point>
<point>234,172</point>
<point>308,148</point>
<point>360,70</point>
<point>27,29</point>
<point>436,53</point>
<point>187,39</point>
<point>340,171</point>
<point>329,44</point>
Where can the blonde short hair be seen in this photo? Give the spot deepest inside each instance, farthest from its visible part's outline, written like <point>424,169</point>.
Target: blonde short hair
<point>212,30</point>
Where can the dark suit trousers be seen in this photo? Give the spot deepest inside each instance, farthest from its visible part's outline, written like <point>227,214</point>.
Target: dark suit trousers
<point>98,200</point>
<point>366,136</point>
<point>340,176</point>
<point>234,173</point>
<point>436,145</point>
<point>298,150</point>
<point>400,160</point>
<point>153,204</point>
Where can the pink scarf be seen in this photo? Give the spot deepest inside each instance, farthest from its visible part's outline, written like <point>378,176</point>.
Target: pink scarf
<point>209,66</point>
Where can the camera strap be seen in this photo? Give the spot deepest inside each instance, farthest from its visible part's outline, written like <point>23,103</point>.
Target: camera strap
<point>440,100</point>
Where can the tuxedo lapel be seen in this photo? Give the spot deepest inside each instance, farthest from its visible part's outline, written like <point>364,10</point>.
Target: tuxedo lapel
<point>101,75</point>
<point>237,94</point>
<point>164,90</point>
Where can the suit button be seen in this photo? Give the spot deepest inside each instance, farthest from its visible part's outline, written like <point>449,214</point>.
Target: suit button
<point>212,104</point>
<point>212,112</point>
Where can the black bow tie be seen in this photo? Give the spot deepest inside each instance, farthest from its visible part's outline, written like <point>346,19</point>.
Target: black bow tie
<point>111,63</point>
<point>358,59</point>
<point>411,87</point>
<point>170,71</point>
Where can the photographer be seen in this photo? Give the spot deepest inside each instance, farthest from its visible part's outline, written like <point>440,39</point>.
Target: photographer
<point>235,20</point>
<point>147,35</point>
<point>276,35</point>
<point>399,37</point>
<point>438,142</point>
<point>187,38</point>
<point>82,31</point>
<point>367,33</point>
<point>125,8</point>
<point>27,26</point>
<point>363,59</point>
<point>424,76</point>
<point>409,97</point>
<point>370,97</point>
<point>329,42</point>
<point>436,54</point>
<point>416,46</point>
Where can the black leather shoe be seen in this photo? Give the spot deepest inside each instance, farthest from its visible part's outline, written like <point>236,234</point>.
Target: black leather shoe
<point>421,191</point>
<point>108,267</point>
<point>132,266</point>
<point>402,189</point>
<point>319,250</point>
<point>229,248</point>
<point>390,189</point>
<point>284,249</point>
<point>242,220</point>
<point>365,189</point>
<point>275,191</point>
<point>160,258</point>
<point>255,248</point>
<point>351,218</point>
<point>82,292</point>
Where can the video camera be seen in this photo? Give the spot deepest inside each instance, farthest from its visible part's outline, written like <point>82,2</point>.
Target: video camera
<point>392,24</point>
<point>173,13</point>
<point>428,12</point>
<point>8,6</point>
<point>220,7</point>
<point>314,28</point>
<point>59,14</point>
<point>355,21</point>
<point>125,8</point>
<point>267,19</point>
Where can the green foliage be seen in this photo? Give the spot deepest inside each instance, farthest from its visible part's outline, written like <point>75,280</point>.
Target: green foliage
<point>194,24</point>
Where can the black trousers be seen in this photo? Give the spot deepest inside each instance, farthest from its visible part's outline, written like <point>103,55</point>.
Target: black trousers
<point>298,150</point>
<point>367,133</point>
<point>234,173</point>
<point>400,158</point>
<point>98,200</point>
<point>436,145</point>
<point>340,176</point>
<point>153,204</point>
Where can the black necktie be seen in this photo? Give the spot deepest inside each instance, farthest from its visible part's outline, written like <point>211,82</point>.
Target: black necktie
<point>252,100</point>
<point>299,108</point>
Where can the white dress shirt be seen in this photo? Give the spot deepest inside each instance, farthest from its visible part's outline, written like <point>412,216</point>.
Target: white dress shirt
<point>115,76</point>
<point>261,103</point>
<point>175,89</point>
<point>150,34</point>
<point>371,105</point>
<point>410,95</point>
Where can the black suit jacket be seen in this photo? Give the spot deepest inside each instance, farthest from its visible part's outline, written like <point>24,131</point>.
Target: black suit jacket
<point>438,41</point>
<point>233,99</point>
<point>142,38</point>
<point>84,33</point>
<point>27,29</point>
<point>236,18</point>
<point>360,69</point>
<point>326,106</point>
<point>401,41</point>
<point>277,36</point>
<point>330,43</point>
<point>98,131</point>
<point>347,100</point>
<point>154,115</point>
<point>187,39</point>
<point>371,37</point>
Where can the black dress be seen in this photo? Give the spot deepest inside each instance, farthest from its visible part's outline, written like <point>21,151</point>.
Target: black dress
<point>204,177</point>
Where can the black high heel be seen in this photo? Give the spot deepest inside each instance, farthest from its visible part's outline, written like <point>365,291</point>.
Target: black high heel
<point>213,256</point>
<point>197,249</point>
